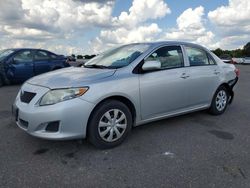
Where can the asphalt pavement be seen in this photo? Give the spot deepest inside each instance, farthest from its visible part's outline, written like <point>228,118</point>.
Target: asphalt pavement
<point>193,150</point>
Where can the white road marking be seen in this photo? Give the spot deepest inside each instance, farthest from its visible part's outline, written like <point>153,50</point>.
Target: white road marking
<point>169,154</point>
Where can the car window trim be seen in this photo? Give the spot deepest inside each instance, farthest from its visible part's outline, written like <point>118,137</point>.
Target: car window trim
<point>138,68</point>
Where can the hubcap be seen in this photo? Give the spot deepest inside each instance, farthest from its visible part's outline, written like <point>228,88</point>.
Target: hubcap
<point>221,100</point>
<point>112,125</point>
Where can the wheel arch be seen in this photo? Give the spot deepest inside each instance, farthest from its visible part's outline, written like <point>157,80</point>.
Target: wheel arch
<point>229,89</point>
<point>119,98</point>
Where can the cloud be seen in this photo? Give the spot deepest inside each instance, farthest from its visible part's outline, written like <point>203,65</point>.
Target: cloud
<point>232,23</point>
<point>141,11</point>
<point>191,27</point>
<point>65,25</point>
<point>11,11</point>
<point>54,17</point>
<point>110,38</point>
<point>236,13</point>
<point>132,26</point>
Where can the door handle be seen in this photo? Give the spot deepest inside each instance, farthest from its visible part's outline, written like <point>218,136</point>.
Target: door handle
<point>184,76</point>
<point>216,72</point>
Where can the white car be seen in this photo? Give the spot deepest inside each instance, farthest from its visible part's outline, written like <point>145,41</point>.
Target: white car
<point>238,60</point>
<point>246,60</point>
<point>124,87</point>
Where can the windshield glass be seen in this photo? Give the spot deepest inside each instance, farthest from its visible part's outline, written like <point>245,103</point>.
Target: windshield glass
<point>5,53</point>
<point>118,57</point>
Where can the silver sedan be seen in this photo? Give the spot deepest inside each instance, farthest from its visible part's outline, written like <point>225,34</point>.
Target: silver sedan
<point>124,87</point>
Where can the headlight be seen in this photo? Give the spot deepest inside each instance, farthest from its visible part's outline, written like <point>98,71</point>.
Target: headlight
<point>59,95</point>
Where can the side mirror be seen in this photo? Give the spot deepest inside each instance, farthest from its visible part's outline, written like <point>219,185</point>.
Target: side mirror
<point>151,65</point>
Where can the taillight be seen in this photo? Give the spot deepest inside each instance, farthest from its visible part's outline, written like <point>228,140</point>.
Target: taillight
<point>237,72</point>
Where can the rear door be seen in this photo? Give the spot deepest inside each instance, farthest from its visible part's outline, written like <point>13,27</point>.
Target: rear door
<point>42,62</point>
<point>21,66</point>
<point>203,77</point>
<point>163,91</point>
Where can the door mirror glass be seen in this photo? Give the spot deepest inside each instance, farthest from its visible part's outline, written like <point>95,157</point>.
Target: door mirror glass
<point>151,65</point>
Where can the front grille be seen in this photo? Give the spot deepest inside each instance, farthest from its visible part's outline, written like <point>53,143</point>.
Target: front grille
<point>26,97</point>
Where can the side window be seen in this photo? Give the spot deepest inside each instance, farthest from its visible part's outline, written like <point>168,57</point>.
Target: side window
<point>41,55</point>
<point>53,56</point>
<point>23,56</point>
<point>197,57</point>
<point>169,57</point>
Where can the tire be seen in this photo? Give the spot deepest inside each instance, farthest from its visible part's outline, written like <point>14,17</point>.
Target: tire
<point>1,81</point>
<point>220,101</point>
<point>102,128</point>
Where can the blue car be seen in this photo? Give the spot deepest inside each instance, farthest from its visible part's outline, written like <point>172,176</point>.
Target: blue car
<point>18,65</point>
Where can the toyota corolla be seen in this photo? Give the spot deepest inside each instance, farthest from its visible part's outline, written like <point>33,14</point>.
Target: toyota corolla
<point>124,87</point>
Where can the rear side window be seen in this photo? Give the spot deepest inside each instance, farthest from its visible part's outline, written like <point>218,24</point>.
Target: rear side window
<point>53,56</point>
<point>41,55</point>
<point>198,57</point>
<point>168,56</point>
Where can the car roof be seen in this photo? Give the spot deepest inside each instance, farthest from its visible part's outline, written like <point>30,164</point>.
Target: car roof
<point>16,49</point>
<point>159,43</point>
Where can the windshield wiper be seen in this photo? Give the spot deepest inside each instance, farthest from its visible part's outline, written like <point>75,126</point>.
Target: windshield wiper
<point>96,66</point>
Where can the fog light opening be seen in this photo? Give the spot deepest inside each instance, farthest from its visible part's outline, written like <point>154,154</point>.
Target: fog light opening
<point>52,126</point>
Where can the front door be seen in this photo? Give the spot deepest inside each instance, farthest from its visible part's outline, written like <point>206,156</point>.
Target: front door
<point>21,66</point>
<point>163,91</point>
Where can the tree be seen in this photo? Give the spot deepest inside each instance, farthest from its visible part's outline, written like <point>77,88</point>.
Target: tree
<point>246,49</point>
<point>237,53</point>
<point>218,52</point>
<point>89,56</point>
<point>79,57</point>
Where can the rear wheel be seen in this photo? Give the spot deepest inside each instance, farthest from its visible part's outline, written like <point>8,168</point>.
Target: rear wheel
<point>220,101</point>
<point>109,124</point>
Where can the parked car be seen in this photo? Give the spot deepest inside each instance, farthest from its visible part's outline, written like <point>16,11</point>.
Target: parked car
<point>237,60</point>
<point>18,65</point>
<point>246,60</point>
<point>76,62</point>
<point>226,58</point>
<point>124,87</point>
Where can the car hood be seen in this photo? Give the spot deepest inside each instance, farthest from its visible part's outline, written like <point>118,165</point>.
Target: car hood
<point>70,77</point>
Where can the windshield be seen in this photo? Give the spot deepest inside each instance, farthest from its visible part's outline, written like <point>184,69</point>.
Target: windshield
<point>118,57</point>
<point>5,53</point>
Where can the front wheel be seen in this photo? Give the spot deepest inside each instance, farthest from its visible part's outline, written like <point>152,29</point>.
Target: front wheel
<point>220,101</point>
<point>1,81</point>
<point>109,124</point>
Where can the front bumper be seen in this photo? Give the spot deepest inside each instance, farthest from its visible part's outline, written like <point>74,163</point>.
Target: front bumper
<point>72,116</point>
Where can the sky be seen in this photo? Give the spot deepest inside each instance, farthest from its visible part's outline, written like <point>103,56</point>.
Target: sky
<point>92,26</point>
